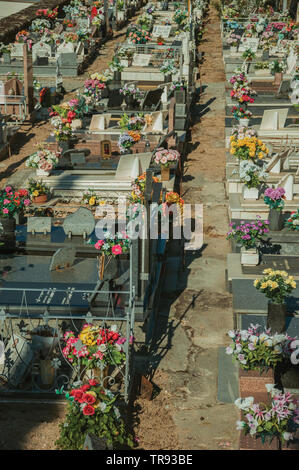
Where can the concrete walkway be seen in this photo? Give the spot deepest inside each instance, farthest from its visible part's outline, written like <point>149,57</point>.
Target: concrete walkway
<point>196,310</point>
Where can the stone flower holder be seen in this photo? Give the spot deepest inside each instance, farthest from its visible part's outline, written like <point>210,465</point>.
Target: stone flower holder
<point>277,317</point>
<point>249,257</point>
<point>275,220</point>
<point>250,193</point>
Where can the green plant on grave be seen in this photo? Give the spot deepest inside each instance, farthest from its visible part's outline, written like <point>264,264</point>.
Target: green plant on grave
<point>91,409</point>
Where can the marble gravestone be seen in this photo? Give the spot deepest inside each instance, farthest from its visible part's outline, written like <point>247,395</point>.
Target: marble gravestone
<point>63,258</point>
<point>39,225</point>
<point>141,60</point>
<point>80,223</point>
<point>161,30</point>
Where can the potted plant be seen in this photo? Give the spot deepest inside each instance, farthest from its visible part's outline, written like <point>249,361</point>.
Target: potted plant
<point>247,235</point>
<point>38,190</point>
<point>61,120</point>
<point>277,420</point>
<point>92,410</point>
<point>165,158</point>
<point>292,223</point>
<point>12,202</point>
<point>276,285</point>
<point>95,349</point>
<point>44,160</point>
<point>277,68</point>
<point>111,246</point>
<point>168,68</point>
<point>242,115</point>
<point>274,198</point>
<point>252,176</point>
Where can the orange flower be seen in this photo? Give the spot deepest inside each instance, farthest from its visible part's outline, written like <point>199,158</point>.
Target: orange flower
<point>135,135</point>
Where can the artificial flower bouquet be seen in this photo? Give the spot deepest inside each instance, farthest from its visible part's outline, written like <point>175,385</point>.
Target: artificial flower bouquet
<point>12,201</point>
<point>133,123</point>
<point>248,234</point>
<point>113,245</point>
<point>71,37</point>
<point>23,37</point>
<point>279,419</point>
<point>129,89</point>
<point>62,117</point>
<point>168,67</point>
<point>240,113</point>
<point>178,85</point>
<point>248,148</point>
<point>292,223</point>
<point>139,36</point>
<point>233,40</point>
<point>125,142</point>
<point>171,198</point>
<point>145,21</point>
<point>248,54</point>
<point>277,66</point>
<point>37,188</point>
<point>43,159</point>
<point>92,409</point>
<point>95,347</point>
<point>274,198</point>
<point>40,25</point>
<point>90,197</point>
<point>252,175</point>
<point>243,94</point>
<point>240,132</point>
<point>93,88</point>
<point>47,13</point>
<point>166,157</point>
<point>276,285</point>
<point>239,79</point>
<point>258,349</point>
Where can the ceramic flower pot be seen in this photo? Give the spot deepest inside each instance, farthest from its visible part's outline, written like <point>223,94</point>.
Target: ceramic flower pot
<point>64,145</point>
<point>233,49</point>
<point>276,319</point>
<point>250,193</point>
<point>165,173</point>
<point>249,257</point>
<point>40,199</point>
<point>244,122</point>
<point>275,220</point>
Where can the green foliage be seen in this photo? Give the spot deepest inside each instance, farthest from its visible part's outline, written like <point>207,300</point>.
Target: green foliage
<point>104,424</point>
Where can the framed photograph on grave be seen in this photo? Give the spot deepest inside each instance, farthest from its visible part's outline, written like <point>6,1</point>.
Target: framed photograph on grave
<point>106,149</point>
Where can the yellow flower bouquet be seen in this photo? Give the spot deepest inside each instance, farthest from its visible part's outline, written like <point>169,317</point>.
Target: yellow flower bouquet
<point>276,285</point>
<point>248,148</point>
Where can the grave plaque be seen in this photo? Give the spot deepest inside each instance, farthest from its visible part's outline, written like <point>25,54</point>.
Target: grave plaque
<point>249,43</point>
<point>67,59</point>
<point>39,224</point>
<point>161,30</point>
<point>78,159</point>
<point>17,50</point>
<point>63,258</point>
<point>79,223</point>
<point>141,60</point>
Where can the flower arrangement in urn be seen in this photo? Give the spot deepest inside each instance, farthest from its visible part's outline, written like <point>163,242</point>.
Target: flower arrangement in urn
<point>111,246</point>
<point>257,349</point>
<point>165,158</point>
<point>279,419</point>
<point>61,119</point>
<point>44,160</point>
<point>138,188</point>
<point>252,175</point>
<point>276,285</point>
<point>91,410</point>
<point>248,234</point>
<point>274,198</point>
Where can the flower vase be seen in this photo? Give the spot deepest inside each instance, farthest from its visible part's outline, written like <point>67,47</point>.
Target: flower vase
<point>47,372</point>
<point>277,78</point>
<point>276,319</point>
<point>275,220</point>
<point>165,173</point>
<point>8,224</point>
<point>250,193</point>
<point>233,49</point>
<point>40,172</point>
<point>40,199</point>
<point>249,257</point>
<point>108,267</point>
<point>64,145</point>
<point>101,374</point>
<point>244,122</point>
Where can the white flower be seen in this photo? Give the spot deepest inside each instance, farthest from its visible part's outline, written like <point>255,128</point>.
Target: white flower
<point>229,350</point>
<point>270,387</point>
<point>231,334</point>
<point>240,425</point>
<point>114,328</point>
<point>287,436</point>
<point>102,348</point>
<point>103,406</point>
